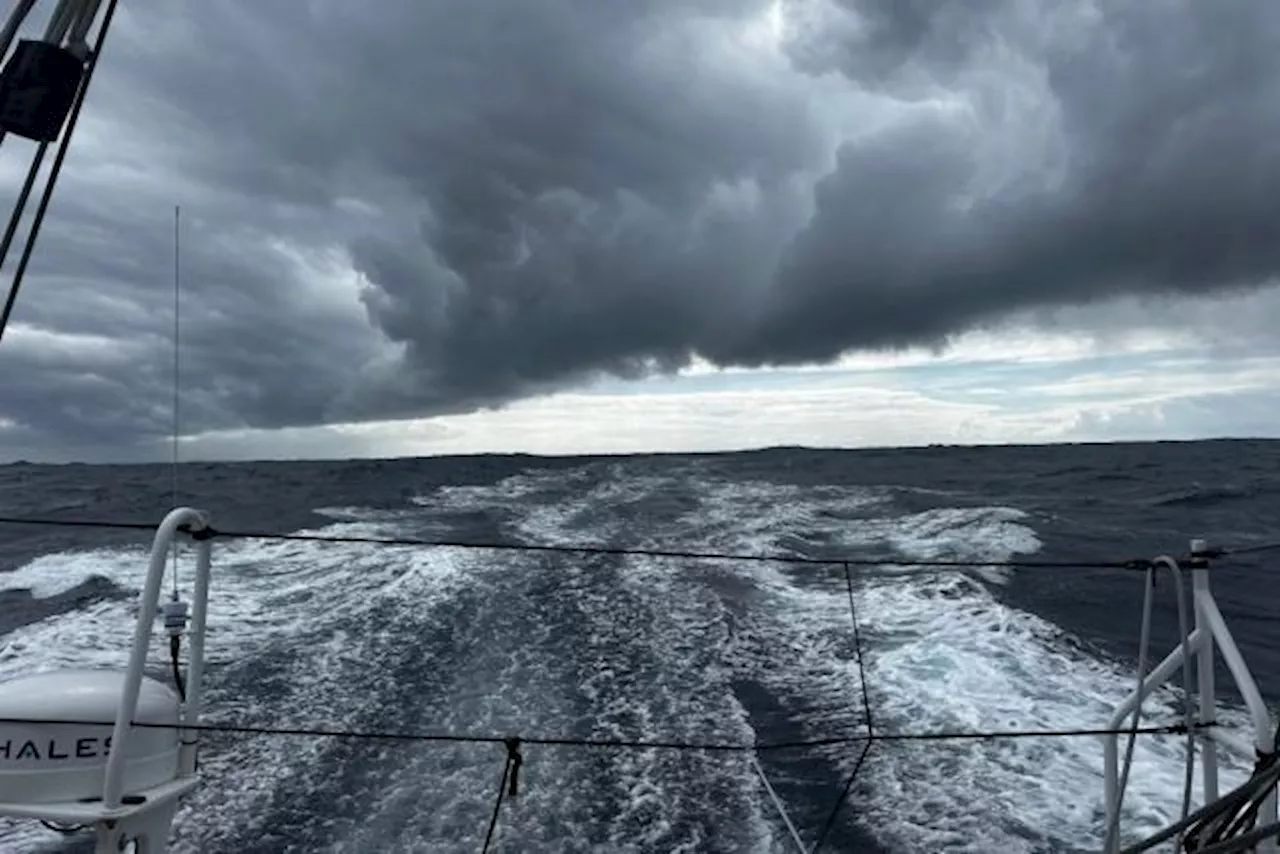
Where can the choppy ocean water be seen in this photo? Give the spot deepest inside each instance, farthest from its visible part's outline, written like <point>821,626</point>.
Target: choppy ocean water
<point>453,640</point>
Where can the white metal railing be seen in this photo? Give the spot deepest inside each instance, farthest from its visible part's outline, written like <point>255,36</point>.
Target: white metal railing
<point>1209,634</point>
<point>149,605</point>
<point>143,824</point>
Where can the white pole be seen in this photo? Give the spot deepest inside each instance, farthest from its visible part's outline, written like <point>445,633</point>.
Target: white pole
<point>149,604</point>
<point>1204,670</point>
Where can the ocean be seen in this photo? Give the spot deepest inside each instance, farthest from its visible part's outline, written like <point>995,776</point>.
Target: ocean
<point>454,640</point>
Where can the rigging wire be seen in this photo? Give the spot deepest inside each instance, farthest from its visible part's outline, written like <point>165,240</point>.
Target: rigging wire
<point>58,159</point>
<point>11,231</point>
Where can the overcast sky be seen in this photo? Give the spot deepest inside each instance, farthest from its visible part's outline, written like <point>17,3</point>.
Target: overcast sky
<point>579,225</point>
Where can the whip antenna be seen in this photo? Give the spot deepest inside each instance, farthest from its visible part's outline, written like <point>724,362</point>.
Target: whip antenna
<point>177,341</point>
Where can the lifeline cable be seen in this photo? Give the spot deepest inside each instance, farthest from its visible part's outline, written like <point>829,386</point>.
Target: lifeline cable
<point>622,743</point>
<point>510,786</point>
<point>1248,550</point>
<point>844,793</point>
<point>497,805</point>
<point>1133,564</point>
<point>857,648</point>
<point>609,551</point>
<point>514,759</point>
<point>511,769</point>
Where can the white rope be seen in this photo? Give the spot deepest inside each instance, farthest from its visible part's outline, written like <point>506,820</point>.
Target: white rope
<point>1144,642</point>
<point>777,803</point>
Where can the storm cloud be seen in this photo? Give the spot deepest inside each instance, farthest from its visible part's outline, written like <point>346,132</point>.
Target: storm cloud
<point>404,209</point>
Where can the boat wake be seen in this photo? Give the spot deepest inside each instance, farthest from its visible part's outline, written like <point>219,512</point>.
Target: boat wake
<point>627,647</point>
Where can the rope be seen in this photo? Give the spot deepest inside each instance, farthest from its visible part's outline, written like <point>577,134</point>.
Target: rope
<point>1245,841</point>
<point>1232,817</point>
<point>1113,825</point>
<point>1164,562</point>
<point>209,533</point>
<point>778,805</point>
<point>1232,800</point>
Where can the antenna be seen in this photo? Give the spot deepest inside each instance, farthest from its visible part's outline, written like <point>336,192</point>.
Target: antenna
<point>177,341</point>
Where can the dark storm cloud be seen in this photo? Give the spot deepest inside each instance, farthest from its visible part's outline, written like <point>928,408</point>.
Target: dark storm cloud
<point>1166,182</point>
<point>407,208</point>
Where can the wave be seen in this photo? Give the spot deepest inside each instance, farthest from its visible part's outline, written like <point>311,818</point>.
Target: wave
<point>1199,495</point>
<point>635,647</point>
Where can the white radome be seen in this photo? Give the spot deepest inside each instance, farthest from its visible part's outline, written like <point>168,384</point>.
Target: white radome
<point>61,762</point>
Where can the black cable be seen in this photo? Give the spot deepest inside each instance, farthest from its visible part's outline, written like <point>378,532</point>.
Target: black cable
<point>1202,817</point>
<point>844,793</point>
<point>11,230</point>
<point>80,523</point>
<point>1227,801</point>
<point>1237,816</point>
<point>510,773</point>
<point>590,550</point>
<point>1134,564</point>
<point>616,743</point>
<point>1244,842</point>
<point>174,643</point>
<point>64,829</point>
<point>857,648</point>
<point>1247,550</point>
<point>1165,729</point>
<point>1247,818</point>
<point>63,146</point>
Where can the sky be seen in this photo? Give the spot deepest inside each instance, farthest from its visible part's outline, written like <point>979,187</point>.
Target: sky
<point>586,226</point>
